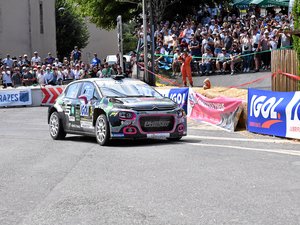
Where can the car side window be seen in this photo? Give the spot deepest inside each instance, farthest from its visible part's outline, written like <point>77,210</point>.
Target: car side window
<point>72,90</point>
<point>88,90</point>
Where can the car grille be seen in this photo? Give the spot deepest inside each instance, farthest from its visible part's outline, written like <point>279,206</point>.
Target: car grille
<point>154,108</point>
<point>156,123</point>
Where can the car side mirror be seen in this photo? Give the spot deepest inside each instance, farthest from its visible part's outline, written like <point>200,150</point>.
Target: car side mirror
<point>83,98</point>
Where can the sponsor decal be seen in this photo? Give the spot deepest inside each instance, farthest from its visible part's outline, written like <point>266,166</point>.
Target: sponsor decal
<point>262,106</point>
<point>149,124</point>
<point>15,97</point>
<point>84,110</point>
<point>117,135</point>
<point>158,135</point>
<point>271,112</point>
<point>222,112</point>
<point>86,124</point>
<point>72,118</point>
<point>293,117</point>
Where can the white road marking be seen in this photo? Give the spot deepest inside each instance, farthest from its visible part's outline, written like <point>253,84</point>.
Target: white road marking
<point>277,141</point>
<point>283,151</point>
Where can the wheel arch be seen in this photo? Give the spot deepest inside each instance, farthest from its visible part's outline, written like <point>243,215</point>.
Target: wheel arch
<point>97,112</point>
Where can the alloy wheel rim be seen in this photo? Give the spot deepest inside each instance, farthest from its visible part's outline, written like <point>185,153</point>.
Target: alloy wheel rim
<point>101,130</point>
<point>54,125</point>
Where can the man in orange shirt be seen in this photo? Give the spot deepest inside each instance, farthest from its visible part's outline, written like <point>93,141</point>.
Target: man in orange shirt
<point>186,70</point>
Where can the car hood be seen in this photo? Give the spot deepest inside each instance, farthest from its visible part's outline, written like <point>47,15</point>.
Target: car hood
<point>146,103</point>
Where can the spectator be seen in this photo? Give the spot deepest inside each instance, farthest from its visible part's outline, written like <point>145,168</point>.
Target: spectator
<point>28,77</point>
<point>176,62</point>
<point>36,60</point>
<point>40,76</point>
<point>235,57</point>
<point>49,59</point>
<point>96,62</point>
<point>77,72</point>
<point>107,71</point>
<point>49,77</point>
<point>75,55</point>
<point>25,61</point>
<point>16,77</point>
<point>246,44</point>
<point>8,61</point>
<point>206,63</point>
<point>285,38</point>
<point>265,45</point>
<point>221,62</point>
<point>6,77</point>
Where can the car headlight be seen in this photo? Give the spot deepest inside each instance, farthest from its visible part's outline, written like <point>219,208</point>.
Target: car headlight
<point>125,115</point>
<point>180,113</point>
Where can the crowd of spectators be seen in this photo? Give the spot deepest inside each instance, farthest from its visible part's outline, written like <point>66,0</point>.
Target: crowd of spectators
<point>25,71</point>
<point>223,41</point>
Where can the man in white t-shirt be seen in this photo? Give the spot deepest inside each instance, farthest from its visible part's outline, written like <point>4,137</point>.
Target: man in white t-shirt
<point>36,60</point>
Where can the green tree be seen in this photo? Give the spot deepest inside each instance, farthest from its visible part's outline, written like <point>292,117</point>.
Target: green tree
<point>129,37</point>
<point>71,29</point>
<point>104,13</point>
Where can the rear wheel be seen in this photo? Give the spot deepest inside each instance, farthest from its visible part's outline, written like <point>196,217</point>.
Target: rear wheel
<point>102,130</point>
<point>56,127</point>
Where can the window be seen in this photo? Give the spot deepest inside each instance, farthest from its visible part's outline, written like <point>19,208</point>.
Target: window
<point>72,90</point>
<point>89,91</point>
<point>41,17</point>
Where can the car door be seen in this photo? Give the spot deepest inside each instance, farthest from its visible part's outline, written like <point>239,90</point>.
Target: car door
<point>71,107</point>
<point>88,98</point>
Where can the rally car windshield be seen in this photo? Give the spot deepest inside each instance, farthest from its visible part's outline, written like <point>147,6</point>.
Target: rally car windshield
<point>124,89</point>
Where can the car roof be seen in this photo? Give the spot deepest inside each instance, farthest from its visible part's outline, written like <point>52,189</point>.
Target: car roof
<point>110,80</point>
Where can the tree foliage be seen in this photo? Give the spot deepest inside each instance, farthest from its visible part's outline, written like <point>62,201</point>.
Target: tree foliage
<point>296,38</point>
<point>71,29</point>
<point>103,13</point>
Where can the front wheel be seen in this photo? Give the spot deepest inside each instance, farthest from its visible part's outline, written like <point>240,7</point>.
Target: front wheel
<point>56,129</point>
<point>102,130</point>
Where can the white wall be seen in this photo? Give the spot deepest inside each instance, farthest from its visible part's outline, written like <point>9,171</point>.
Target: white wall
<point>20,27</point>
<point>101,42</point>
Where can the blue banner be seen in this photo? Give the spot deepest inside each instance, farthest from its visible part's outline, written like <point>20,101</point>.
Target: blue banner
<point>180,96</point>
<point>267,111</point>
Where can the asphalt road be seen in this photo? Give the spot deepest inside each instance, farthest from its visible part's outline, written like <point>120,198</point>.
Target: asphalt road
<point>210,177</point>
<point>259,80</point>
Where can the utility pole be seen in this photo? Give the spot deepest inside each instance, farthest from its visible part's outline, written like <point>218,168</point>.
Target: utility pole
<point>152,77</point>
<point>146,78</point>
<point>120,41</point>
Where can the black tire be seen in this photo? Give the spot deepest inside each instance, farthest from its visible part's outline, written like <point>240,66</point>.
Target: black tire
<point>56,128</point>
<point>174,139</point>
<point>102,130</point>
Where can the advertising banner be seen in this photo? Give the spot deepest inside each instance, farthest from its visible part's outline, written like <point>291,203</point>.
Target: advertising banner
<point>223,112</point>
<point>15,97</point>
<point>178,95</point>
<point>274,113</point>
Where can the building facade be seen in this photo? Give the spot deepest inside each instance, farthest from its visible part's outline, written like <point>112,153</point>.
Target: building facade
<point>27,26</point>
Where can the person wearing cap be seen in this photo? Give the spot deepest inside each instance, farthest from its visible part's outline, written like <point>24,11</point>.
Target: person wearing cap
<point>25,61</point>
<point>175,42</point>
<point>49,77</point>
<point>246,43</point>
<point>40,75</point>
<point>49,59</point>
<point>285,38</point>
<point>187,33</point>
<point>28,77</point>
<point>6,77</point>
<point>16,77</point>
<point>36,60</point>
<point>222,58</point>
<point>186,70</point>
